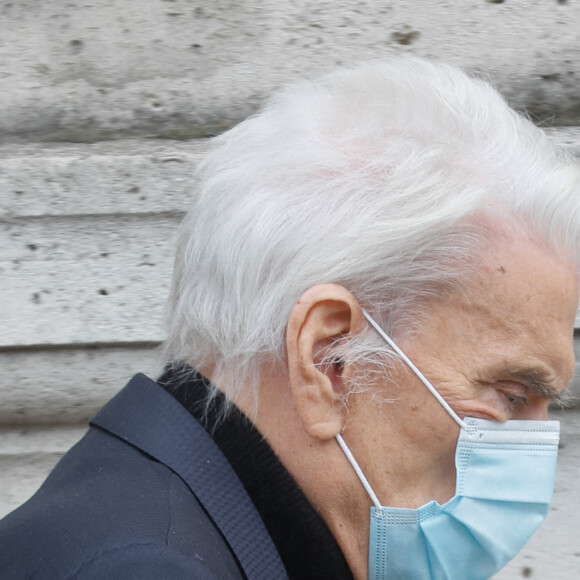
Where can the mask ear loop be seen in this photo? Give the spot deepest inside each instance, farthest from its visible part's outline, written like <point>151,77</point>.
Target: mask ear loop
<point>422,378</point>
<point>358,471</point>
<point>417,372</point>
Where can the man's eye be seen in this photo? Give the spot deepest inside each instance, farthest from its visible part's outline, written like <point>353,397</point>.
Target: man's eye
<point>516,401</point>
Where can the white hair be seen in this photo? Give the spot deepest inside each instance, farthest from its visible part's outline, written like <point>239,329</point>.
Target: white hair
<point>367,177</point>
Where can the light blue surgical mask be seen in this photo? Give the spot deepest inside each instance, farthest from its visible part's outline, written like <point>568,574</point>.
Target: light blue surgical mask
<point>505,475</point>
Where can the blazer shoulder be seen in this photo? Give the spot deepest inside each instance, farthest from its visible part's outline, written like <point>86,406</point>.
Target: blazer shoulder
<point>106,497</point>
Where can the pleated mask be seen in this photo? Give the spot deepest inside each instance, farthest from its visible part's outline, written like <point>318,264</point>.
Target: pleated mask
<point>505,474</point>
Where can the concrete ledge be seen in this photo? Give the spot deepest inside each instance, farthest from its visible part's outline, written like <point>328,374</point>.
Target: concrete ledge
<point>67,386</point>
<point>117,177</point>
<point>89,71</point>
<point>96,279</point>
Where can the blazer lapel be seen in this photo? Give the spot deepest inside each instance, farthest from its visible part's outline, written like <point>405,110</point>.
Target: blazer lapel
<point>149,418</point>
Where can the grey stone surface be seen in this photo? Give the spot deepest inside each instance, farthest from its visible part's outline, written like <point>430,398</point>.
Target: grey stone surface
<point>100,69</point>
<point>67,386</point>
<point>113,177</point>
<point>97,279</point>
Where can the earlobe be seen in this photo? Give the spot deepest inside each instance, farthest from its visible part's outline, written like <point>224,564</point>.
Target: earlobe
<point>323,314</point>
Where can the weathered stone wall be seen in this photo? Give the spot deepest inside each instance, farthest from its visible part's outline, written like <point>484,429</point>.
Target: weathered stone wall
<point>103,109</point>
<point>88,71</point>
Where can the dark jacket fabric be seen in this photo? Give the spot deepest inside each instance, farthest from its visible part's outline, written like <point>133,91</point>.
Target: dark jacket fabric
<point>146,494</point>
<point>149,494</point>
<point>305,544</point>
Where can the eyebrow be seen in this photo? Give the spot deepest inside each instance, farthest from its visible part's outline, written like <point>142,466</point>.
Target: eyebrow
<point>537,381</point>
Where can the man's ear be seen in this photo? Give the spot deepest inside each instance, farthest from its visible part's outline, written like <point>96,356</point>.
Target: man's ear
<point>322,314</point>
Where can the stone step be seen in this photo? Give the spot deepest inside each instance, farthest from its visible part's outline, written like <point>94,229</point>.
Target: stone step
<point>85,279</point>
<point>88,71</point>
<point>67,386</point>
<point>107,178</point>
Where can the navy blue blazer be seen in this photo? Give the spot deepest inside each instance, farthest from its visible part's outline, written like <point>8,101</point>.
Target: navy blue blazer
<point>146,494</point>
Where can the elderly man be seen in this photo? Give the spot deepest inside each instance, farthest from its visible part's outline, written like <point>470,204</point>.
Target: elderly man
<point>376,286</point>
